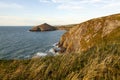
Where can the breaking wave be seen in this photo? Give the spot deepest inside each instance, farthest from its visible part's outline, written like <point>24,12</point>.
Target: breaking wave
<point>50,52</point>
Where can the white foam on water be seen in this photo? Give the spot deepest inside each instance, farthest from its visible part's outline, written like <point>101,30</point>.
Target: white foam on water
<point>41,54</point>
<point>55,44</point>
<point>52,51</point>
<point>28,56</point>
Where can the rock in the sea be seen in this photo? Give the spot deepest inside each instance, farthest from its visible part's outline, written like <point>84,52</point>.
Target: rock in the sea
<point>47,27</point>
<point>90,33</point>
<point>43,27</point>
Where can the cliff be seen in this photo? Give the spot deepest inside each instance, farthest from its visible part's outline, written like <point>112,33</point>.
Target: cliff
<point>91,33</point>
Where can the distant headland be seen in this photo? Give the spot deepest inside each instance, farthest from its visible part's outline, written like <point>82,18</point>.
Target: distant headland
<point>47,27</point>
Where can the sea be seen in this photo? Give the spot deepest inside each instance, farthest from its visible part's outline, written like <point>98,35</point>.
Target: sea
<point>17,42</point>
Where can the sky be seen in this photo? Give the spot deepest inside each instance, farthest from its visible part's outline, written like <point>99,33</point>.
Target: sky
<point>54,12</point>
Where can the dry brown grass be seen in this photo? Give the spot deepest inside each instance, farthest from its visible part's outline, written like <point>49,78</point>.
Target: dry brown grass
<point>98,63</point>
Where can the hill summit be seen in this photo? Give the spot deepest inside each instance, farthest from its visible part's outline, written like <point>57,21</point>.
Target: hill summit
<point>43,27</point>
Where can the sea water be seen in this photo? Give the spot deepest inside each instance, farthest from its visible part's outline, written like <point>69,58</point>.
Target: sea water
<point>19,43</point>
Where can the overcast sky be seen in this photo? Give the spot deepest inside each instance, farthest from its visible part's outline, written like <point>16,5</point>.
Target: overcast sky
<point>55,12</point>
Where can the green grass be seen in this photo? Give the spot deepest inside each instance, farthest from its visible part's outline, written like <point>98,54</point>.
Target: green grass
<point>98,63</point>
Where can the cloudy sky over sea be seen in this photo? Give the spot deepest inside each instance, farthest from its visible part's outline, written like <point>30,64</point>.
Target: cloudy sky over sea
<point>55,12</point>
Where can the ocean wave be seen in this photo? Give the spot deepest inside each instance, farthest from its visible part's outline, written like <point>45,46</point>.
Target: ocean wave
<point>51,52</point>
<point>27,57</point>
<point>55,44</point>
<point>39,54</point>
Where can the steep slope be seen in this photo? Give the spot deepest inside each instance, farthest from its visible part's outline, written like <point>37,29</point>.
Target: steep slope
<point>101,63</point>
<point>91,33</point>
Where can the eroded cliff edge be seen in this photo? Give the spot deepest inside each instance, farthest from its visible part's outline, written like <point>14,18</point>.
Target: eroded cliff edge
<point>93,32</point>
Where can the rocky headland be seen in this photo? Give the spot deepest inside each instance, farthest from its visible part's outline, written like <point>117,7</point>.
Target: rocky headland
<point>93,32</point>
<point>43,27</point>
<point>47,27</point>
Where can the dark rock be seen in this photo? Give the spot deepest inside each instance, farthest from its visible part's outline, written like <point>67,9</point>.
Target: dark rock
<point>47,27</point>
<point>43,27</point>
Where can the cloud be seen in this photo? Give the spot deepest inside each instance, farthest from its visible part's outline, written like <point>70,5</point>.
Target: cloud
<point>44,1</point>
<point>69,7</point>
<point>15,20</point>
<point>4,5</point>
<point>68,4</point>
<point>79,1</point>
<point>36,20</point>
<point>111,5</point>
<point>61,1</point>
<point>81,4</point>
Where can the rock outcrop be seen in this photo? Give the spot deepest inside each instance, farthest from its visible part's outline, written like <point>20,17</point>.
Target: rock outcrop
<point>90,33</point>
<point>43,27</point>
<point>47,27</point>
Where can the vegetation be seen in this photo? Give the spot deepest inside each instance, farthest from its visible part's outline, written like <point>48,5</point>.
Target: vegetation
<point>98,63</point>
<point>101,61</point>
<point>89,33</point>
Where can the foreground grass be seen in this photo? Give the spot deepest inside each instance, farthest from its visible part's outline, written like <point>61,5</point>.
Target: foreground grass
<point>101,63</point>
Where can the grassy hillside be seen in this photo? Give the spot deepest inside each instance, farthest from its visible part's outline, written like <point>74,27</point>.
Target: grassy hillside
<point>87,34</point>
<point>98,63</point>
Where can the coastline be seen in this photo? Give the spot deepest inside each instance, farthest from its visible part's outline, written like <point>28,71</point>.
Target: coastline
<point>99,60</point>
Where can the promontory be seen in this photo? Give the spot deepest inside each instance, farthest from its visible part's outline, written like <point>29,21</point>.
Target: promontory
<point>48,27</point>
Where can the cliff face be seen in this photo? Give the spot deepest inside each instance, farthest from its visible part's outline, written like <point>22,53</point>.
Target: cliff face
<point>90,33</point>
